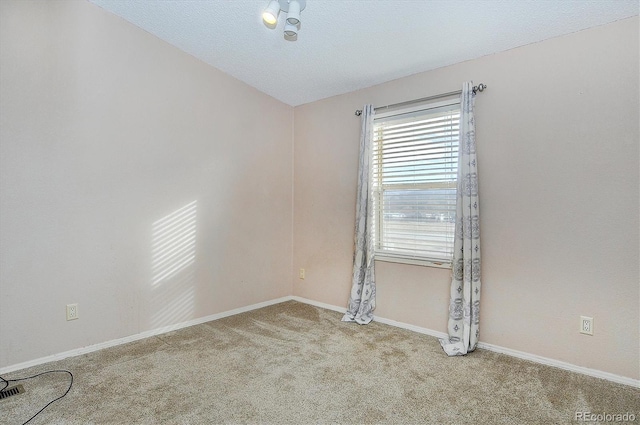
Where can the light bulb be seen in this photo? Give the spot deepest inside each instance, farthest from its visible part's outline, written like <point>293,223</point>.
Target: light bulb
<point>270,14</point>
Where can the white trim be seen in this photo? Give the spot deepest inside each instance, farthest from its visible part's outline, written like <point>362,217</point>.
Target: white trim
<point>496,348</point>
<point>413,261</point>
<point>437,334</point>
<point>139,336</point>
<point>319,304</point>
<point>414,328</point>
<point>561,365</point>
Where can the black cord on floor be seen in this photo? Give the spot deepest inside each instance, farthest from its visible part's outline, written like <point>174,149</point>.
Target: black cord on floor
<point>6,384</point>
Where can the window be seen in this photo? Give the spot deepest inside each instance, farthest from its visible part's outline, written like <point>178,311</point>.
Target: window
<point>415,169</point>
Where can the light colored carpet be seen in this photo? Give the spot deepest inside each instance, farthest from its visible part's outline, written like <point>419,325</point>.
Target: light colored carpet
<point>292,363</point>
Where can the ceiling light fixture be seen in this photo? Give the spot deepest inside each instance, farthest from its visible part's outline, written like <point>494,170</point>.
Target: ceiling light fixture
<point>270,14</point>
<point>290,30</point>
<point>293,15</point>
<point>292,8</point>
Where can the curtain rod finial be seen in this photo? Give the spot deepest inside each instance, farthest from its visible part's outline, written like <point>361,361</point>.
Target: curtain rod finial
<point>479,88</point>
<point>358,112</point>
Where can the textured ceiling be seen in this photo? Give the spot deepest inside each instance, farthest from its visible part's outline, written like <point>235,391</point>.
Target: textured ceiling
<point>345,45</point>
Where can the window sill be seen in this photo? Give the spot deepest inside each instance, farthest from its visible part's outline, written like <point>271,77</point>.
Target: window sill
<point>413,261</point>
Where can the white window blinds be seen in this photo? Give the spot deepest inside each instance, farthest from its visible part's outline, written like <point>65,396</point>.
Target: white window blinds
<point>415,171</point>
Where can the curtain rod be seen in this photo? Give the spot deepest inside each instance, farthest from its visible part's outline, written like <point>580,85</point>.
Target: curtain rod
<point>479,88</point>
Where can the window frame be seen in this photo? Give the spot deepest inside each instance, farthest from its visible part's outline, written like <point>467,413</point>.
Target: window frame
<point>385,256</point>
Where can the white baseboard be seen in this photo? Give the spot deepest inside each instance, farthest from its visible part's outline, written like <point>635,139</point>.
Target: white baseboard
<point>319,304</point>
<point>561,365</point>
<point>496,348</point>
<point>139,336</point>
<point>491,347</point>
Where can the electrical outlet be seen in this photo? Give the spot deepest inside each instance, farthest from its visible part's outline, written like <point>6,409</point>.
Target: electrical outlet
<point>586,325</point>
<point>72,311</point>
<point>301,274</point>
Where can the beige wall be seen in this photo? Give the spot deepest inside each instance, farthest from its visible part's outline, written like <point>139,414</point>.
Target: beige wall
<point>558,141</point>
<point>105,130</point>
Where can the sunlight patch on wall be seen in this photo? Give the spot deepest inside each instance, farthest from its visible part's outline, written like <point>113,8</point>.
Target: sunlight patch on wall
<point>173,257</point>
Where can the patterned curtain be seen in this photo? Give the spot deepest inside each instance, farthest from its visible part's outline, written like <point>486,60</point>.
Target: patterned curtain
<point>464,307</point>
<point>362,301</point>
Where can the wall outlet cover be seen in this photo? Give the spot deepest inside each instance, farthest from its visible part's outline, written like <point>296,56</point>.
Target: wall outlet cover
<point>586,325</point>
<point>72,311</point>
